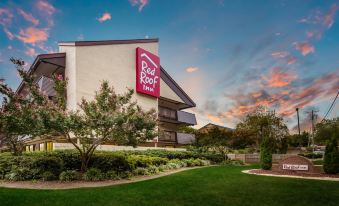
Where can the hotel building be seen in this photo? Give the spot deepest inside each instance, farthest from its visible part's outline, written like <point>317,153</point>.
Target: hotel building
<point>124,64</point>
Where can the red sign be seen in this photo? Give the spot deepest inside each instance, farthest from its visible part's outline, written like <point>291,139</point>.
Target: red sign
<point>148,73</point>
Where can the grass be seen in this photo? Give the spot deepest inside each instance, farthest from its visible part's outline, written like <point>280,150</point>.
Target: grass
<point>223,185</point>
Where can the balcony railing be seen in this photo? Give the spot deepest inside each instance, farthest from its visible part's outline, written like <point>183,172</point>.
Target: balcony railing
<point>177,116</point>
<point>184,138</point>
<point>186,117</point>
<point>168,136</point>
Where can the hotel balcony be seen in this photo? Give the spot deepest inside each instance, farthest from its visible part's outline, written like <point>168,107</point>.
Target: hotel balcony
<point>46,86</point>
<point>176,117</point>
<point>177,137</point>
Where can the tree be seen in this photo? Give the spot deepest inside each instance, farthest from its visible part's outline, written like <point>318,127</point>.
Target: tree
<point>261,123</point>
<point>326,129</point>
<point>18,119</point>
<point>216,139</point>
<point>297,140</point>
<point>109,117</point>
<point>242,139</point>
<point>266,154</point>
<point>331,158</point>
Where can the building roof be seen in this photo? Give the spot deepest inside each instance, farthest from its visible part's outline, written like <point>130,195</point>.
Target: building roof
<point>53,60</point>
<point>176,88</point>
<point>214,125</point>
<point>58,60</point>
<point>106,42</point>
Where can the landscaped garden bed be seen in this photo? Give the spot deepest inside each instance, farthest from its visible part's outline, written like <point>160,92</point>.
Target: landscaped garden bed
<point>65,165</point>
<point>292,173</point>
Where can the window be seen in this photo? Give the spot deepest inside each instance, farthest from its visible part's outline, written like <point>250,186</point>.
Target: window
<point>49,146</point>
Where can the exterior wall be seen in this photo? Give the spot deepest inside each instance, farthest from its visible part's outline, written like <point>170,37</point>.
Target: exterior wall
<point>114,63</point>
<point>62,146</point>
<point>70,75</point>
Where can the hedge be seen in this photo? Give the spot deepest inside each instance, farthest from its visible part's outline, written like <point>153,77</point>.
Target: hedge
<point>64,164</point>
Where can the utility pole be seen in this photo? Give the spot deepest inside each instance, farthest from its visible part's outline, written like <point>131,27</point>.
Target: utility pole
<point>313,117</point>
<point>298,120</point>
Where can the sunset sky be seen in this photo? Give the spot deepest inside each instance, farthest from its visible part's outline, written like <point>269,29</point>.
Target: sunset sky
<point>229,56</point>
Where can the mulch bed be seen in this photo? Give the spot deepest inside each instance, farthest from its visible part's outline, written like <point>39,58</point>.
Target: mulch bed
<point>292,173</point>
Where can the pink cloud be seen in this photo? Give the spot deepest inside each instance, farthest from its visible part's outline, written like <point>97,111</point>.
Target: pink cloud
<point>291,60</point>
<point>280,54</point>
<point>45,7</point>
<point>279,78</point>
<point>6,16</point>
<point>105,17</point>
<point>33,35</point>
<point>304,48</point>
<point>192,69</point>
<point>314,34</point>
<point>30,51</point>
<point>28,17</point>
<point>9,34</point>
<point>328,19</point>
<point>140,3</point>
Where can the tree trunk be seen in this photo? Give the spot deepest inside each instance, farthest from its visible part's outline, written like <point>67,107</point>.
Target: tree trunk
<point>84,163</point>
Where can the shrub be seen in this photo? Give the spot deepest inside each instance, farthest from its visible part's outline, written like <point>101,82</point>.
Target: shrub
<point>233,162</point>
<point>93,174</point>
<point>48,164</point>
<point>125,175</point>
<point>153,170</point>
<point>111,161</point>
<point>193,162</point>
<point>19,174</point>
<point>146,161</point>
<point>141,171</point>
<point>312,155</point>
<point>331,159</point>
<point>163,168</point>
<point>173,166</point>
<point>111,175</point>
<point>69,175</point>
<point>48,176</point>
<point>70,159</point>
<point>265,154</point>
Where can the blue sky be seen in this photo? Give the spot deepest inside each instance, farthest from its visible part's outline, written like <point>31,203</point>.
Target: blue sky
<point>230,56</point>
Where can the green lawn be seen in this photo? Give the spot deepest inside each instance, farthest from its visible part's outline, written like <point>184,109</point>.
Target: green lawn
<point>224,185</point>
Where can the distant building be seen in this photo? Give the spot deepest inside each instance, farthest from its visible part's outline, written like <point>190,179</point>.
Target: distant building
<point>211,126</point>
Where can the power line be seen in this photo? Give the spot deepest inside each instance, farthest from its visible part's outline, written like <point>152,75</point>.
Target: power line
<point>329,110</point>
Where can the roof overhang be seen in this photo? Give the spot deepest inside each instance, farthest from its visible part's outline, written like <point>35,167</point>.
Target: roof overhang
<point>45,65</point>
<point>107,42</point>
<point>188,102</point>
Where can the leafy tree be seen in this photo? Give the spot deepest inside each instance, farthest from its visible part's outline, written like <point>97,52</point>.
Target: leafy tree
<point>297,140</point>
<point>266,154</point>
<point>188,130</point>
<point>242,139</point>
<point>331,158</point>
<point>326,129</point>
<point>216,139</point>
<point>261,123</point>
<point>18,118</point>
<point>109,117</point>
